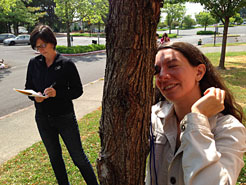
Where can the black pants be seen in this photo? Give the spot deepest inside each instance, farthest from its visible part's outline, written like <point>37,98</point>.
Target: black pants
<point>66,125</point>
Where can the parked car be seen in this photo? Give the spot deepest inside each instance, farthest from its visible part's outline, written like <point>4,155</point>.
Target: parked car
<point>20,39</point>
<point>6,36</point>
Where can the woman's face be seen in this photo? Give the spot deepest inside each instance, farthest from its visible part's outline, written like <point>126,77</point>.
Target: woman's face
<point>44,48</point>
<point>177,79</point>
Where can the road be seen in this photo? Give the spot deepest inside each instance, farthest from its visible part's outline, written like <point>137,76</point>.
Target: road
<point>191,37</point>
<point>90,67</point>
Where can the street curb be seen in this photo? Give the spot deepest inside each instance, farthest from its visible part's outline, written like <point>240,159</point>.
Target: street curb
<point>83,54</point>
<point>80,54</point>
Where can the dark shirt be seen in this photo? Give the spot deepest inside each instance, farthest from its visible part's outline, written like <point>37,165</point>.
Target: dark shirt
<point>63,73</point>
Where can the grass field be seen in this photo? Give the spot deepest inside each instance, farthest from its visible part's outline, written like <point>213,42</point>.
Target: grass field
<point>32,165</point>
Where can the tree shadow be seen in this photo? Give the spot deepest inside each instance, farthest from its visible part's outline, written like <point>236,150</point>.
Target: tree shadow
<point>88,58</point>
<point>242,65</point>
<point>4,72</point>
<point>234,76</point>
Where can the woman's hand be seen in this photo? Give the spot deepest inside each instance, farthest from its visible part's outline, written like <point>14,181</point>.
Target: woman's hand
<point>211,103</point>
<point>40,99</point>
<point>50,92</point>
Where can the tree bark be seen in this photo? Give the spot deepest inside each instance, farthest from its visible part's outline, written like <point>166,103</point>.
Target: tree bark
<point>68,34</point>
<point>223,48</point>
<point>67,25</point>
<point>128,89</point>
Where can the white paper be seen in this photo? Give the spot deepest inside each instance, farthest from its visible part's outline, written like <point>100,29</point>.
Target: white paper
<point>29,92</point>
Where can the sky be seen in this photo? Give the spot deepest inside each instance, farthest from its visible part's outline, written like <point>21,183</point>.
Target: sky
<point>193,8</point>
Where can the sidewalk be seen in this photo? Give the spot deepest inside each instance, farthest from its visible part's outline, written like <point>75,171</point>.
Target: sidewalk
<point>218,49</point>
<point>19,131</point>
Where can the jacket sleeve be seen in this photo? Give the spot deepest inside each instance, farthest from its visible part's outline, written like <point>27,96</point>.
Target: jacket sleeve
<point>74,87</point>
<point>29,83</point>
<point>212,156</point>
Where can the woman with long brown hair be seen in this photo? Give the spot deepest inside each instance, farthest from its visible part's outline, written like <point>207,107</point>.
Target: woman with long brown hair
<point>196,133</point>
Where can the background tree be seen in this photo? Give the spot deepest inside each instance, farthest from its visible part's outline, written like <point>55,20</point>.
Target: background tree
<point>188,22</point>
<point>66,10</point>
<point>47,7</point>
<point>175,12</point>
<point>18,14</point>
<point>205,19</point>
<point>236,19</point>
<point>223,9</point>
<point>128,88</point>
<point>6,4</point>
<point>162,25</point>
<point>93,11</point>
<point>242,12</point>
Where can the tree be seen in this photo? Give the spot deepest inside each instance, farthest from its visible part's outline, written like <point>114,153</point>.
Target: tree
<point>23,15</point>
<point>47,7</point>
<point>204,19</point>
<point>175,12</point>
<point>188,22</point>
<point>93,11</point>
<point>6,4</point>
<point>243,12</point>
<point>66,9</point>
<point>236,19</point>
<point>223,9</point>
<point>128,87</point>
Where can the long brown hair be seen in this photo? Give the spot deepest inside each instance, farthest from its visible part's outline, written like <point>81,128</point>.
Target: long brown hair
<point>210,79</point>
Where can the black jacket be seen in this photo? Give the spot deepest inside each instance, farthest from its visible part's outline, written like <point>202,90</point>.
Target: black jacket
<point>63,73</point>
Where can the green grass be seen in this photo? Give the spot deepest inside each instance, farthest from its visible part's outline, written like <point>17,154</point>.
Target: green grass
<point>32,165</point>
<point>80,49</point>
<point>227,44</point>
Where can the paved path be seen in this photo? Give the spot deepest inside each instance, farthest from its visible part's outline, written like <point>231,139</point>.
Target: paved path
<point>19,131</point>
<point>218,49</point>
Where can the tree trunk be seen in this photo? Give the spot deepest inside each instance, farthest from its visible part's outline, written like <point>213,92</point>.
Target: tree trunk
<point>170,28</point>
<point>223,48</point>
<point>68,34</point>
<point>128,89</point>
<point>15,27</point>
<point>67,25</point>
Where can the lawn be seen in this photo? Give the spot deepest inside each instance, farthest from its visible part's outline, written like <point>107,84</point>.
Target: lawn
<point>32,165</point>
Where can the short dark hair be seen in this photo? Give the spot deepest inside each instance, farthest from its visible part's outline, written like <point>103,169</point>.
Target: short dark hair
<point>44,33</point>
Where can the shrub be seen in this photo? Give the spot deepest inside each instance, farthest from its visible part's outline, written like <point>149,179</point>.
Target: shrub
<point>81,34</point>
<point>80,49</point>
<point>205,32</point>
<point>171,35</point>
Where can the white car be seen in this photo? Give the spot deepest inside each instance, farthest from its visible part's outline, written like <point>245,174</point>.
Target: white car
<point>20,39</point>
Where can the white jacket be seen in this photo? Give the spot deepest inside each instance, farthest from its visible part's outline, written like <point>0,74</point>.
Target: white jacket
<point>211,150</point>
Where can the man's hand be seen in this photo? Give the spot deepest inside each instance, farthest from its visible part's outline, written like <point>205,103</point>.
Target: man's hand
<point>211,103</point>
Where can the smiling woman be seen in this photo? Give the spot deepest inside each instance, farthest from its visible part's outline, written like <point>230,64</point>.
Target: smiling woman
<point>196,123</point>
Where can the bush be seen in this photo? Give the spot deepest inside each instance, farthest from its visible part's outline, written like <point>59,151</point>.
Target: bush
<point>81,34</point>
<point>80,49</point>
<point>205,32</point>
<point>171,35</point>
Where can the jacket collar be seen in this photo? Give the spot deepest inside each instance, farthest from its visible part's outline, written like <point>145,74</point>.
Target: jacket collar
<point>163,109</point>
<point>41,58</point>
